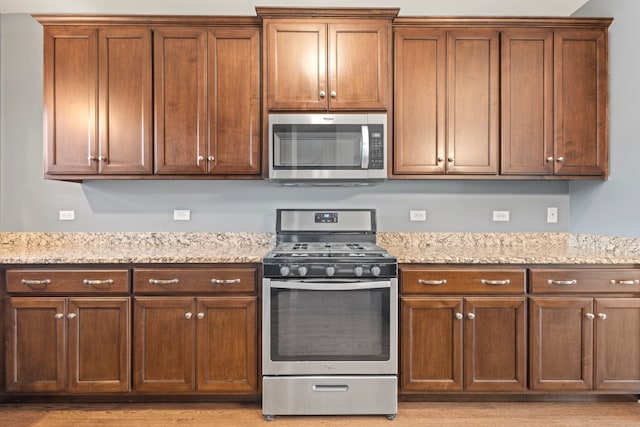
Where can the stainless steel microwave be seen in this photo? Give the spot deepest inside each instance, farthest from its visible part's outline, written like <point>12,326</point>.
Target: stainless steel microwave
<point>327,148</point>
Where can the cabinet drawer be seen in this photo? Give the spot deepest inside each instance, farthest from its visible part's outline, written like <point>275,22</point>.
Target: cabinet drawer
<point>68,281</point>
<point>216,280</point>
<point>610,280</point>
<point>472,281</point>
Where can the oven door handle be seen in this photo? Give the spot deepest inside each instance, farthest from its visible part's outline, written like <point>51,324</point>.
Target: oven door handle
<point>331,286</point>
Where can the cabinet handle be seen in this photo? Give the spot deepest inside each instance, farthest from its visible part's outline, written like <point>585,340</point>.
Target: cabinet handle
<point>102,158</point>
<point>432,282</point>
<point>625,282</point>
<point>200,316</point>
<point>560,159</point>
<point>450,159</point>
<point>333,94</point>
<point>211,158</point>
<point>71,316</point>
<point>322,94</point>
<point>549,159</point>
<point>224,282</point>
<point>200,158</point>
<point>58,316</point>
<point>440,159</point>
<point>29,282</point>
<point>590,316</point>
<point>562,282</point>
<point>459,316</point>
<point>471,316</point>
<point>188,315</point>
<point>92,159</point>
<point>98,282</point>
<point>164,282</point>
<point>602,316</point>
<point>495,282</point>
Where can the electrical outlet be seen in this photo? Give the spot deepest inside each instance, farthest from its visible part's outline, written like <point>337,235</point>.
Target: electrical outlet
<point>501,216</point>
<point>66,215</point>
<point>181,215</point>
<point>417,215</point>
<point>552,215</point>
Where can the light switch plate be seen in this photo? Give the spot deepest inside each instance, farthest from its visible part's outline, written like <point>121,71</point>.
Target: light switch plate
<point>501,216</point>
<point>181,215</point>
<point>66,215</point>
<point>417,215</point>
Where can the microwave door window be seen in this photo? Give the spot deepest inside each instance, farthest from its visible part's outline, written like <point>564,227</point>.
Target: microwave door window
<point>318,147</point>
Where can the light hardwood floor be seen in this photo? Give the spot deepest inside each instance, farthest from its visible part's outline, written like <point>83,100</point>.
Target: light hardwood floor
<point>460,414</point>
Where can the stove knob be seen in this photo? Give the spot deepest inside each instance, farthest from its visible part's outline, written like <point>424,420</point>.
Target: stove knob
<point>375,270</point>
<point>358,271</point>
<point>302,270</point>
<point>284,270</point>
<point>330,270</point>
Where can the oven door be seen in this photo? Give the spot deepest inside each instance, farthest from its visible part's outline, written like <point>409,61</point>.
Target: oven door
<point>330,327</point>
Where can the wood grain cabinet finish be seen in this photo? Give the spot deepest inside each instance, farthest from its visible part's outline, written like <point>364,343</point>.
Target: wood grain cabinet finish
<point>327,64</point>
<point>207,101</point>
<point>447,102</point>
<point>554,102</point>
<point>451,342</point>
<point>67,281</point>
<point>97,96</point>
<point>585,332</point>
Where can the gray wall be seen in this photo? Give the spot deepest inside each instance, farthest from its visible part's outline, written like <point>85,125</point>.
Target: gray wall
<point>30,203</point>
<point>614,207</point>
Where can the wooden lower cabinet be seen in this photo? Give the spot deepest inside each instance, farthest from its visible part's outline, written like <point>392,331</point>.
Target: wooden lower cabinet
<point>78,345</point>
<point>204,344</point>
<point>456,344</point>
<point>583,343</point>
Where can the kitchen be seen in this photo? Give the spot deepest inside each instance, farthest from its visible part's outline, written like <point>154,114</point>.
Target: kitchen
<point>30,203</point>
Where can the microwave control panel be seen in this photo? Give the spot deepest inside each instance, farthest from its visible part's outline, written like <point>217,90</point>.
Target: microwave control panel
<point>376,147</point>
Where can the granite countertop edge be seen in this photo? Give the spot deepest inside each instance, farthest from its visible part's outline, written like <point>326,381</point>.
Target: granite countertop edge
<point>239,247</point>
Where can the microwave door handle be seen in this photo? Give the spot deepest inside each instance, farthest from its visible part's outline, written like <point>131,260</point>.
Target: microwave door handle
<point>365,147</point>
<point>338,286</point>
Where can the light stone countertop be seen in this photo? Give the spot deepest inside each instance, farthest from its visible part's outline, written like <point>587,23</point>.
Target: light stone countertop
<point>212,248</point>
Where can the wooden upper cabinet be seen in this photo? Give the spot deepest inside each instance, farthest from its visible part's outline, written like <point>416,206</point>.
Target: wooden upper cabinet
<point>327,63</point>
<point>97,90</point>
<point>581,113</point>
<point>447,101</point>
<point>527,102</point>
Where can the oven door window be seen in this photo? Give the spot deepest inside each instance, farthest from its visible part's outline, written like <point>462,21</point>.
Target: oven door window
<point>313,325</point>
<point>317,146</point>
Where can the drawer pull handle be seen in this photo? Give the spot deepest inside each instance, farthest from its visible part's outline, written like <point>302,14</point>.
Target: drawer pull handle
<point>432,282</point>
<point>98,282</point>
<point>562,282</point>
<point>164,282</point>
<point>495,282</point>
<point>29,282</point>
<point>625,282</point>
<point>224,281</point>
<point>330,388</point>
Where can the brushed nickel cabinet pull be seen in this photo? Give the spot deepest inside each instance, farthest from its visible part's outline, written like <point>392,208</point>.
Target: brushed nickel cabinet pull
<point>625,282</point>
<point>590,316</point>
<point>471,316</point>
<point>200,315</point>
<point>71,316</point>
<point>28,282</point>
<point>560,159</point>
<point>549,159</point>
<point>495,282</point>
<point>188,315</point>
<point>562,282</point>
<point>224,282</point>
<point>432,282</point>
<point>602,316</point>
<point>459,316</point>
<point>98,282</point>
<point>58,316</point>
<point>164,282</point>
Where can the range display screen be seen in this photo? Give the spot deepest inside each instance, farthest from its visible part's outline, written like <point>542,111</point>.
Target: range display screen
<point>326,217</point>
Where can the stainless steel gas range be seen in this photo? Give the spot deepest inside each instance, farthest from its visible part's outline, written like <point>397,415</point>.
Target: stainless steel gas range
<point>330,321</point>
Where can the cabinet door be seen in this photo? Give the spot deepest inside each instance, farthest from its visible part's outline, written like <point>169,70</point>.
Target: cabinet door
<point>527,102</point>
<point>431,337</point>
<point>419,116</point>
<point>164,340</point>
<point>618,344</point>
<point>359,64</point>
<point>99,346</point>
<point>495,339</point>
<point>125,101</point>
<point>234,101</point>
<point>180,72</point>
<point>581,102</point>
<point>561,343</point>
<point>296,65</point>
<point>36,342</point>
<point>227,360</point>
<point>70,100</point>
<point>473,101</point>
